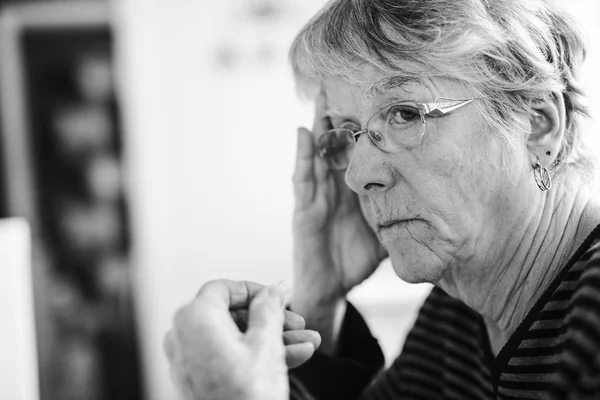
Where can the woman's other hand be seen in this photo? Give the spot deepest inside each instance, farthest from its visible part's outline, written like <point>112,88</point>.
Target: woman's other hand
<point>235,341</point>
<point>334,247</point>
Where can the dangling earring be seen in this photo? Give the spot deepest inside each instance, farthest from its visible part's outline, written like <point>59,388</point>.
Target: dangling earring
<point>542,177</point>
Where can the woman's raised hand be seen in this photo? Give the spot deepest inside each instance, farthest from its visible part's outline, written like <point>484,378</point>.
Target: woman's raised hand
<point>334,247</point>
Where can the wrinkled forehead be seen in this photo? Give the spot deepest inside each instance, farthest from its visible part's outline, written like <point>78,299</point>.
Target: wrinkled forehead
<point>342,98</point>
<point>360,100</point>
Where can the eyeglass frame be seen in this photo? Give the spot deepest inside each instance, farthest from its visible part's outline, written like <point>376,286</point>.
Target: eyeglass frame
<point>439,107</point>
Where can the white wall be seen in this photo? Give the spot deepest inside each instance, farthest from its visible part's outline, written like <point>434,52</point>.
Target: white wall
<point>210,157</point>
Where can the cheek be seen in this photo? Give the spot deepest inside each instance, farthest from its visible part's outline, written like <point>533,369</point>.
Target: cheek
<point>440,164</point>
<point>445,148</point>
<point>457,183</point>
<point>463,161</point>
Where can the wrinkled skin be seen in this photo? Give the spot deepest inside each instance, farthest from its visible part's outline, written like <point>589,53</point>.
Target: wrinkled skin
<point>236,341</point>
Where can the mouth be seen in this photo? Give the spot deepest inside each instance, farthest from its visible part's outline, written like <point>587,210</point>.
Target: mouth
<point>387,225</point>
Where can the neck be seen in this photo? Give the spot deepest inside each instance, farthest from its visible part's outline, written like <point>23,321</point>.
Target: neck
<point>520,272</point>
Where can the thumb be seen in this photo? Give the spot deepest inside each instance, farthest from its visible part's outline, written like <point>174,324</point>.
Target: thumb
<point>266,317</point>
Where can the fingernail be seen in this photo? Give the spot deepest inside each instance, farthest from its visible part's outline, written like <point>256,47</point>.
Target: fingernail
<point>285,285</point>
<point>293,317</point>
<point>275,292</point>
<point>307,344</point>
<point>301,132</point>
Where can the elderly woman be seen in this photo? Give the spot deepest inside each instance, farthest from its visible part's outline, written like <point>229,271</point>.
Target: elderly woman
<point>447,137</point>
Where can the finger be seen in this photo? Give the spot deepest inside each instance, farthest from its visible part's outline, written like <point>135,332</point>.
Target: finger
<point>302,336</point>
<point>210,310</point>
<point>320,171</point>
<point>322,122</point>
<point>292,321</point>
<point>169,346</point>
<point>226,294</point>
<point>265,322</point>
<point>298,354</point>
<point>304,179</point>
<point>305,153</point>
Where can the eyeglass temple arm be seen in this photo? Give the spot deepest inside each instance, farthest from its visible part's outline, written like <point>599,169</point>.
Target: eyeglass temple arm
<point>444,105</point>
<point>356,134</point>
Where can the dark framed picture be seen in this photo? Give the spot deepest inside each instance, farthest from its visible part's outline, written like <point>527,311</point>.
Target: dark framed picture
<point>61,154</point>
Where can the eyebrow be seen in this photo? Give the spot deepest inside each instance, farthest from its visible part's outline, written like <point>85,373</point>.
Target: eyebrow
<point>383,85</point>
<point>375,90</point>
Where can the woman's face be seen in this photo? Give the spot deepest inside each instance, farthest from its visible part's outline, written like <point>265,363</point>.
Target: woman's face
<point>442,206</point>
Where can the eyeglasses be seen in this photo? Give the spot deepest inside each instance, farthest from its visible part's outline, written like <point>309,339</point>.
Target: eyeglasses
<point>402,125</point>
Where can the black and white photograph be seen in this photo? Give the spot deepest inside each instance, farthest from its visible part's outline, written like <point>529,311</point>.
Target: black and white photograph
<point>299,199</point>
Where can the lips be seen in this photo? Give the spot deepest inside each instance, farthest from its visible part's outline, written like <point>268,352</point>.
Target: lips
<point>384,225</point>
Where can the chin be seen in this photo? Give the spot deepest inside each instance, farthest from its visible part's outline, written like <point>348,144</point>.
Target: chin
<point>411,250</point>
<point>415,266</point>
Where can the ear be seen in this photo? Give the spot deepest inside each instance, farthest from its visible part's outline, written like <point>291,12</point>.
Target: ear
<point>547,129</point>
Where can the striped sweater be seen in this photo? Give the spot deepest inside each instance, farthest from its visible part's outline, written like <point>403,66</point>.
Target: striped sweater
<point>553,354</point>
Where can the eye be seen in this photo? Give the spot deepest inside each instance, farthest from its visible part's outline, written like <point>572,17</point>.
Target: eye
<point>353,126</point>
<point>402,114</point>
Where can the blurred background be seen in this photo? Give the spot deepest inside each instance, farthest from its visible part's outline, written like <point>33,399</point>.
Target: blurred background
<point>150,145</point>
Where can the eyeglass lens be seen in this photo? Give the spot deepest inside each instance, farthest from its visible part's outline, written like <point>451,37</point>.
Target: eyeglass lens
<point>335,148</point>
<point>336,145</point>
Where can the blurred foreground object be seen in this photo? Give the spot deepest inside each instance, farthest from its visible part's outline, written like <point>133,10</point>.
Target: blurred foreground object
<point>61,158</point>
<point>18,353</point>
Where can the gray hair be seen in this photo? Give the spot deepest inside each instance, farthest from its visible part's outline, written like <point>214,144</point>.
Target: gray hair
<point>511,53</point>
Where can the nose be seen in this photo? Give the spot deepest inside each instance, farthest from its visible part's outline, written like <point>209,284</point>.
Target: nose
<point>368,172</point>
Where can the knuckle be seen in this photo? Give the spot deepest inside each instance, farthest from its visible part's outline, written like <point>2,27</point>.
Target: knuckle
<point>264,306</point>
<point>169,344</point>
<point>181,317</point>
<point>212,285</point>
